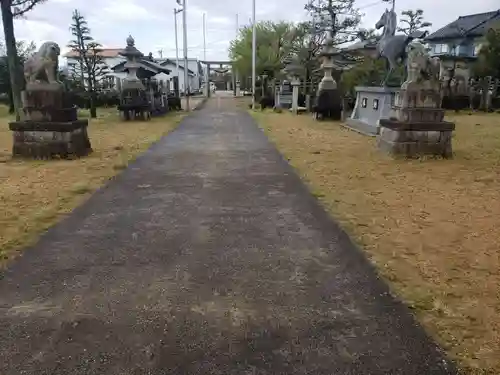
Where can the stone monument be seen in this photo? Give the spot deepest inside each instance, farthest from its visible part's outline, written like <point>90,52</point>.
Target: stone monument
<point>375,103</point>
<point>49,127</point>
<point>416,127</point>
<point>328,104</point>
<point>134,102</point>
<point>284,95</point>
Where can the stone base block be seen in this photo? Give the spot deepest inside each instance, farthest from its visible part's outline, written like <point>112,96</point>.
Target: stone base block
<point>45,140</point>
<point>361,127</point>
<point>415,143</point>
<point>434,115</point>
<point>130,115</point>
<point>328,105</point>
<point>139,112</point>
<point>51,114</point>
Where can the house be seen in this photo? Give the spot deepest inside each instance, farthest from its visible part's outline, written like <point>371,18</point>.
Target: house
<point>112,59</point>
<point>195,72</point>
<point>458,43</point>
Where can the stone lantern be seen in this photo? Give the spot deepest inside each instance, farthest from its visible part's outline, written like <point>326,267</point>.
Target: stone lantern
<point>133,98</point>
<point>293,70</point>
<point>328,103</point>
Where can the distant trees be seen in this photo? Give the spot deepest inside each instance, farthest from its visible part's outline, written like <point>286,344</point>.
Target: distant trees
<point>11,9</point>
<point>412,21</point>
<point>274,46</point>
<point>90,67</point>
<point>24,50</point>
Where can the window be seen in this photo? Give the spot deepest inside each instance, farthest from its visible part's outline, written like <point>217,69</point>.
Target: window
<point>477,48</point>
<point>440,48</point>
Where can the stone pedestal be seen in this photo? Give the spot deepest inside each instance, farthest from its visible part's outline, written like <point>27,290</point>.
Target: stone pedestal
<point>49,128</point>
<point>372,105</point>
<point>134,104</point>
<point>416,126</point>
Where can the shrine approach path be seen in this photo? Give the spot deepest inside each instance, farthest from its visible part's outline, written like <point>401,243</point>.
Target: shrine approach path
<point>207,255</point>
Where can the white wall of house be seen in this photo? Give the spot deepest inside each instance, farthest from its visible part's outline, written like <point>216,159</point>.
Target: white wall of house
<point>194,82</point>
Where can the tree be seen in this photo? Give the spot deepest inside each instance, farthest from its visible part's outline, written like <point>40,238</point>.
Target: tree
<point>368,35</point>
<point>414,21</point>
<point>306,43</point>
<point>274,47</point>
<point>24,50</point>
<point>487,66</point>
<point>11,9</point>
<point>488,62</point>
<point>337,17</point>
<point>90,66</point>
<point>368,72</point>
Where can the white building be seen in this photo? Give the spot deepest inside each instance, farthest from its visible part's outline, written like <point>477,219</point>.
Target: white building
<point>111,57</point>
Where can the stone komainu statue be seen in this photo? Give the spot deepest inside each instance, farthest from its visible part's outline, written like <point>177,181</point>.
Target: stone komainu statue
<point>42,65</point>
<point>420,66</point>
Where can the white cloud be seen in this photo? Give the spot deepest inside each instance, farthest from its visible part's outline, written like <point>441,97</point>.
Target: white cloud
<point>125,10</point>
<point>36,31</point>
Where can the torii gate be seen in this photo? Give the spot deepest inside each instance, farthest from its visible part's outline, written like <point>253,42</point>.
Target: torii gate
<point>223,67</point>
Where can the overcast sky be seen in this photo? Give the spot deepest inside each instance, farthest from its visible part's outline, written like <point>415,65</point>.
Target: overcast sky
<point>151,22</point>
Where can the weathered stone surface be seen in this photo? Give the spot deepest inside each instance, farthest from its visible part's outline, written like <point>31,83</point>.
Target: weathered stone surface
<point>328,105</point>
<point>417,125</point>
<point>50,128</point>
<point>415,143</point>
<point>33,141</point>
<point>418,114</point>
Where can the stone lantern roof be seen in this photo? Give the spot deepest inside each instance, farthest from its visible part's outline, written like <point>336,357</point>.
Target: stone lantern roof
<point>130,51</point>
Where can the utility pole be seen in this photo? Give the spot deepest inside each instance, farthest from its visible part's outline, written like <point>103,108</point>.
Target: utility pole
<point>204,38</point>
<point>254,51</point>
<point>177,47</point>
<point>205,53</point>
<point>235,72</point>
<point>186,71</point>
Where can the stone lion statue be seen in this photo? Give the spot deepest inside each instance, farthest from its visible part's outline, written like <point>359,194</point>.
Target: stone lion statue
<point>42,65</point>
<point>420,66</point>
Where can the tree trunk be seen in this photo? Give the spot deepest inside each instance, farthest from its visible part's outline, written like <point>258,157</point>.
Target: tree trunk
<point>93,109</point>
<point>11,101</point>
<point>91,82</point>
<point>12,58</point>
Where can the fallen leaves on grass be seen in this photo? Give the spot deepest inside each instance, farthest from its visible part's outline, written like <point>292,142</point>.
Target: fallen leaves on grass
<point>34,194</point>
<point>430,226</point>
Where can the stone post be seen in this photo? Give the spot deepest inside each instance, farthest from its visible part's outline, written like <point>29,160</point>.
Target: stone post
<point>295,95</point>
<point>238,89</point>
<point>207,84</point>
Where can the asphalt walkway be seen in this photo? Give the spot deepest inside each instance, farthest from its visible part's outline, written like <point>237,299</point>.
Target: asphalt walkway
<point>206,256</point>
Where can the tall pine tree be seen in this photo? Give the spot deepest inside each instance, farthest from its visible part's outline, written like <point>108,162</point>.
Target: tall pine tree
<point>338,18</point>
<point>90,66</point>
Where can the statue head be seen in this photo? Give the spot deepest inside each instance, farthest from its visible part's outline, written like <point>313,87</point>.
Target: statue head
<point>388,20</point>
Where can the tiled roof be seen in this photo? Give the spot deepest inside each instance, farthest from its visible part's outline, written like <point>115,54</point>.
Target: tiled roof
<point>106,52</point>
<point>165,62</point>
<point>146,64</point>
<point>472,25</point>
